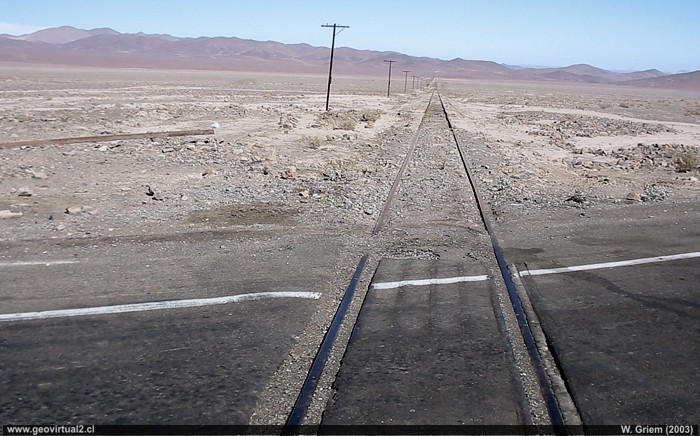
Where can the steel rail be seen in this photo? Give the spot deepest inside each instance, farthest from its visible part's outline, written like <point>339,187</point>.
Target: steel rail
<point>394,186</point>
<point>303,401</point>
<point>296,417</point>
<point>294,424</point>
<point>553,409</point>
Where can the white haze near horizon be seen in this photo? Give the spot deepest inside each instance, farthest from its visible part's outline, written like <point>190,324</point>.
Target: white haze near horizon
<point>18,29</point>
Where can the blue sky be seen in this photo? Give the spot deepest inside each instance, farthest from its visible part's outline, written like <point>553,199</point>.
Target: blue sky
<point>611,34</point>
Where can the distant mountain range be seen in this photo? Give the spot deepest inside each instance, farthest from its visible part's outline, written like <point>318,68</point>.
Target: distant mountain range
<point>108,48</point>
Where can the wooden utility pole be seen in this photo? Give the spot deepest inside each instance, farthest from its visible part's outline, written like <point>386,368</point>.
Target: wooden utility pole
<point>330,69</point>
<point>388,88</point>
<point>405,79</point>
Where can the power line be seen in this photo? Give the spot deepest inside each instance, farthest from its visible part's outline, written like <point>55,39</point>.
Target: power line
<point>330,69</point>
<point>405,79</point>
<point>388,88</point>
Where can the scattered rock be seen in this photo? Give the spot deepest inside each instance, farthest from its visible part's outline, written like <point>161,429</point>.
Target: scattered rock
<point>74,210</point>
<point>154,194</point>
<point>25,192</point>
<point>655,193</point>
<point>333,174</point>
<point>561,127</point>
<point>4,214</point>
<point>287,122</point>
<point>633,196</point>
<point>39,175</point>
<point>578,198</point>
<point>290,173</point>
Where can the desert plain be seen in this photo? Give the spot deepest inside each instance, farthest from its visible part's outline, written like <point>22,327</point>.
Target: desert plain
<point>278,156</point>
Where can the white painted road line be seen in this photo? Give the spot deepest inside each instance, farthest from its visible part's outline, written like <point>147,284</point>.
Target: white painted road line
<point>157,305</point>
<point>642,261</point>
<point>37,262</point>
<point>425,282</point>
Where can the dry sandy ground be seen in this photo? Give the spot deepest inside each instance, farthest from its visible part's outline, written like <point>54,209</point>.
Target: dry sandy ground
<point>278,157</point>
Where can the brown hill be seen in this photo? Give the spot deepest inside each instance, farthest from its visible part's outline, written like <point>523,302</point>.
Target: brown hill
<point>109,48</point>
<point>583,73</point>
<point>64,34</point>
<point>683,81</point>
<point>112,49</point>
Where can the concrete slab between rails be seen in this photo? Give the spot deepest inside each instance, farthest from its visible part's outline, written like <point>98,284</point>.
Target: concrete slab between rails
<point>426,354</point>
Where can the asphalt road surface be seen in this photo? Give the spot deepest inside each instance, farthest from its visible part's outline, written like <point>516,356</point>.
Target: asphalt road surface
<point>625,337</point>
<point>626,334</point>
<point>203,362</point>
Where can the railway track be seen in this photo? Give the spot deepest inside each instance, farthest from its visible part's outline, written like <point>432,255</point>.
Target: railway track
<point>541,401</point>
